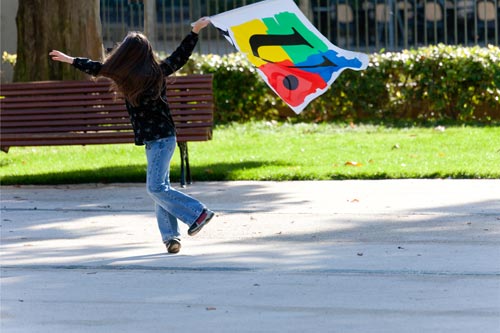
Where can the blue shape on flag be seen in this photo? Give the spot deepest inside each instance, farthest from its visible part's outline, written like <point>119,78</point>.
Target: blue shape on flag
<point>327,63</point>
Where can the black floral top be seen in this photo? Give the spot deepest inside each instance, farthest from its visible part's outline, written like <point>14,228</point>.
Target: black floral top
<point>151,119</point>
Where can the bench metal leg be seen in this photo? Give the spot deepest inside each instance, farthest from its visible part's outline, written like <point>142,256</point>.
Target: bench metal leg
<point>188,168</point>
<point>185,169</point>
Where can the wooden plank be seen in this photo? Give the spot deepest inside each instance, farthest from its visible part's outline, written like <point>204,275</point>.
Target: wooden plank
<point>70,112</point>
<point>101,117</point>
<point>63,117</point>
<point>51,91</point>
<point>104,134</point>
<point>177,82</point>
<point>59,97</point>
<point>182,127</point>
<point>91,118</point>
<point>81,102</point>
<point>187,101</point>
<point>86,139</point>
<point>62,141</point>
<point>91,93</point>
<point>201,120</point>
<point>62,129</point>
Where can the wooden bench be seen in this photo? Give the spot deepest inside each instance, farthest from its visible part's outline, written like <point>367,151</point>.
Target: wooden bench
<point>52,113</point>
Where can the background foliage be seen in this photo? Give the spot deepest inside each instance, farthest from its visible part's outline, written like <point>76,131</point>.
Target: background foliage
<point>429,85</point>
<point>440,84</point>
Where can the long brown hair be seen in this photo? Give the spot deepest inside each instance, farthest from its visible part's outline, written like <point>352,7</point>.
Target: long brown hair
<point>134,69</point>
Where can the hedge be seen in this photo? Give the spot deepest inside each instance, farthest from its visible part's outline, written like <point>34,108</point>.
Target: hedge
<point>428,85</point>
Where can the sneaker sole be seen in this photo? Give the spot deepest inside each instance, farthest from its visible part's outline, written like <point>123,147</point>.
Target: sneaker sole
<point>173,247</point>
<point>198,229</point>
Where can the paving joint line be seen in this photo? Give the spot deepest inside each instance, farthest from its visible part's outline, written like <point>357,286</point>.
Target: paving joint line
<point>239,269</point>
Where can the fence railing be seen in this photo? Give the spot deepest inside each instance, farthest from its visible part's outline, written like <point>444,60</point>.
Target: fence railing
<point>363,25</point>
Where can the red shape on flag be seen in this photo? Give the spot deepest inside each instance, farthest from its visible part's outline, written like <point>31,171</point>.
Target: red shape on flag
<point>292,84</point>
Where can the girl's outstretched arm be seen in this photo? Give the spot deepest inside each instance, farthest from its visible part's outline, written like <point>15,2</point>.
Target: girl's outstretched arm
<point>85,65</point>
<point>59,56</point>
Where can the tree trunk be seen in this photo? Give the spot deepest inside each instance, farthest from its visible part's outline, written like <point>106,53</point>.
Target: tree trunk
<point>70,26</point>
<point>150,20</point>
<point>306,8</point>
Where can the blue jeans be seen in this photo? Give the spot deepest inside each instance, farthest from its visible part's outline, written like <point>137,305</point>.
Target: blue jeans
<point>170,204</point>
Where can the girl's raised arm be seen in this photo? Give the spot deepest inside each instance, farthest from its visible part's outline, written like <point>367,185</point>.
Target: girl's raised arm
<point>200,24</point>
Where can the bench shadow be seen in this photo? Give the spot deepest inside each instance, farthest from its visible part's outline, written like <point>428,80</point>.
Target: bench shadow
<point>135,174</point>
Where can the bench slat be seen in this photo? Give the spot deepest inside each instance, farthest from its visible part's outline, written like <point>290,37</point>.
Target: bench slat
<point>90,95</point>
<point>81,87</point>
<point>96,118</point>
<point>174,108</point>
<point>70,126</point>
<point>194,101</point>
<point>172,81</point>
<point>47,128</point>
<point>202,131</point>
<point>57,139</point>
<point>63,117</point>
<point>28,113</point>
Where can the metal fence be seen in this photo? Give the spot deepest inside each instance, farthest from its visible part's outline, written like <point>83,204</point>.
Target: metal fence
<point>363,25</point>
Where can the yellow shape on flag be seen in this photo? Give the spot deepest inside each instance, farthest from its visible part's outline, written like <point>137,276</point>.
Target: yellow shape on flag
<point>242,34</point>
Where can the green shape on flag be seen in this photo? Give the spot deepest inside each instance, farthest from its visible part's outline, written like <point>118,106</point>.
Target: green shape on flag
<point>283,23</point>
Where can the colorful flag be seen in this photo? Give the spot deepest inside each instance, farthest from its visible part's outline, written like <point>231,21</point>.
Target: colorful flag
<point>290,54</point>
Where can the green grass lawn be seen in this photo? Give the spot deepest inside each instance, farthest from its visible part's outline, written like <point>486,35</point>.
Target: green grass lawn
<point>270,151</point>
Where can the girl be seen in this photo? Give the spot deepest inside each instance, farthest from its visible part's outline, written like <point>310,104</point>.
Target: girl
<point>137,74</point>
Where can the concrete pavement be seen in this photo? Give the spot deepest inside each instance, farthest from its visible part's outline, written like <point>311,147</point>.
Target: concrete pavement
<point>326,256</point>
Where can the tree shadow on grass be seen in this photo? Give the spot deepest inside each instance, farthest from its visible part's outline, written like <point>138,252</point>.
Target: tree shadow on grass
<point>134,174</point>
<point>130,174</point>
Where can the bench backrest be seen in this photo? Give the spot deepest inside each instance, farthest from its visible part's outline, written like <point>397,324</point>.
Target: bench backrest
<point>88,112</point>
